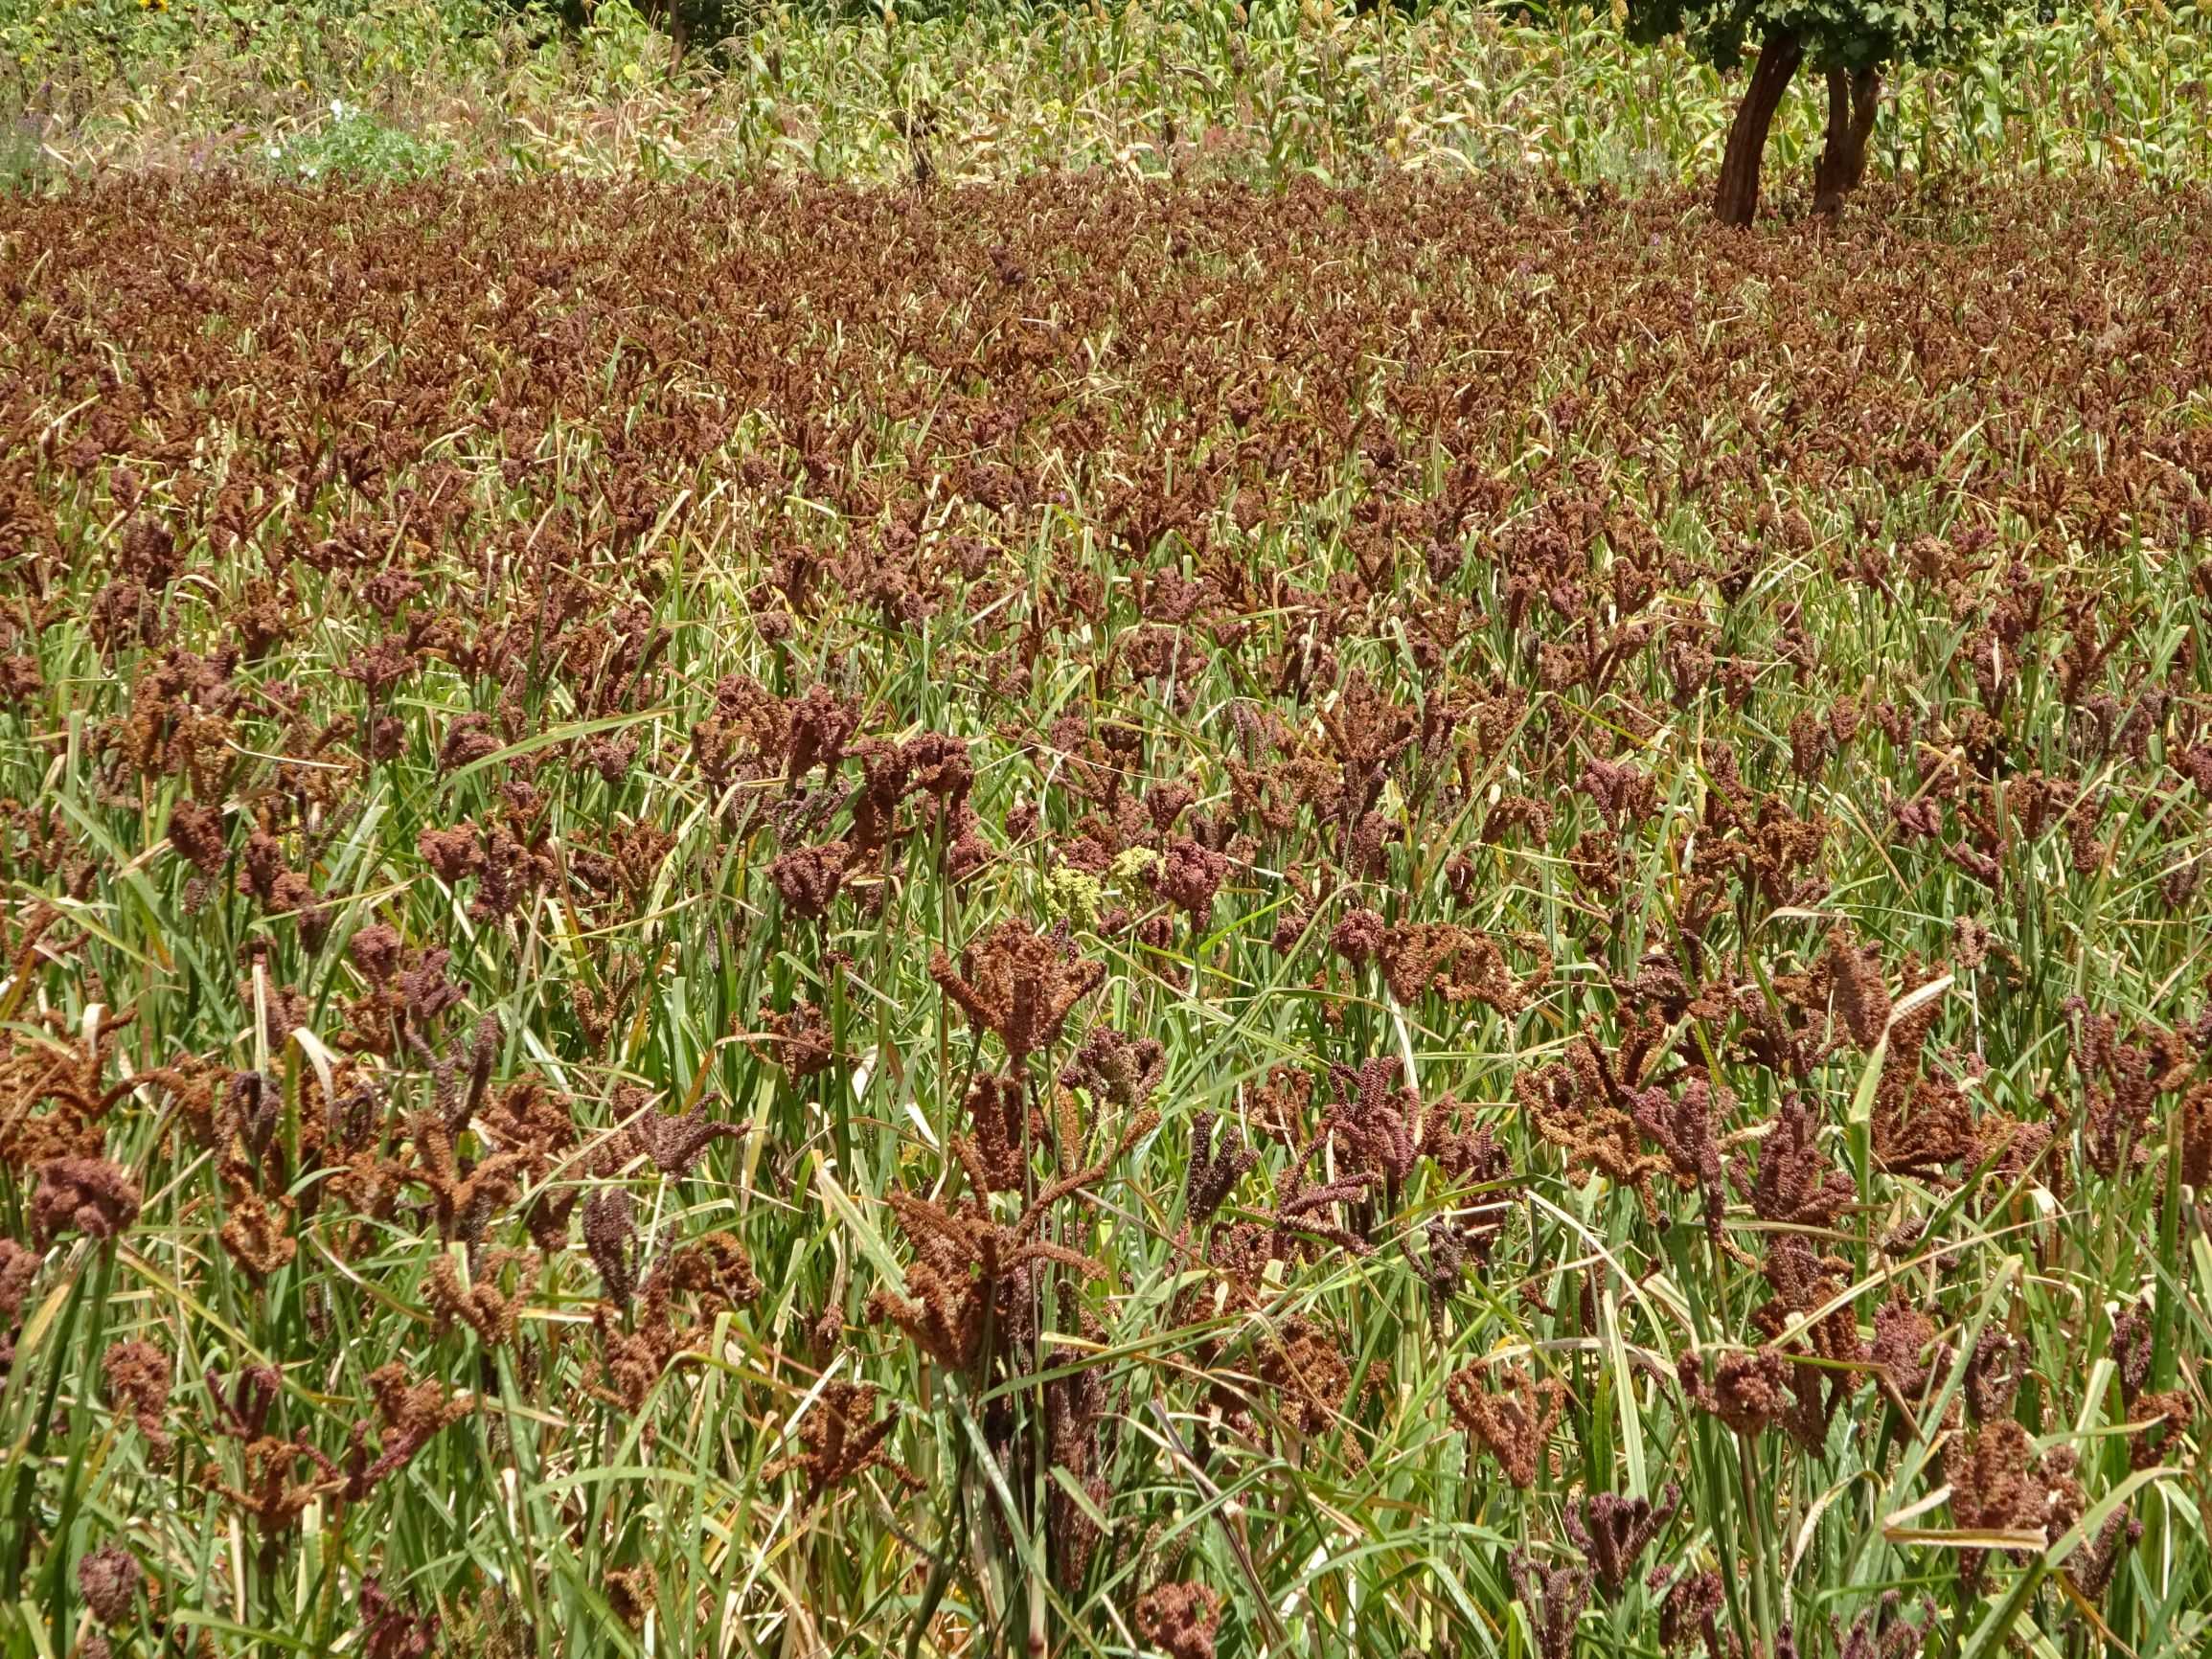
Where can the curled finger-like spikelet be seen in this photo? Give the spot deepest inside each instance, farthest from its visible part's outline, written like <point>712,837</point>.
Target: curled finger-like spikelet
<point>1179,1619</point>
<point>1017,983</point>
<point>88,1196</point>
<point>1510,1414</point>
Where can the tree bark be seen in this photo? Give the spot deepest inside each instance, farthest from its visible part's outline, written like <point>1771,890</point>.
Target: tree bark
<point>1853,98</point>
<point>667,16</point>
<point>1735,197</point>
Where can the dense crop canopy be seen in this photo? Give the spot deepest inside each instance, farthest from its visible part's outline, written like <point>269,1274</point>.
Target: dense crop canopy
<point>790,921</point>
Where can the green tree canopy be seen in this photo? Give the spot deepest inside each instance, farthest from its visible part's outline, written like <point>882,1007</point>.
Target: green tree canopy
<point>1849,42</point>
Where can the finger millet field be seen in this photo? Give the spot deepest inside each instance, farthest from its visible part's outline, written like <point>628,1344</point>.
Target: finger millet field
<point>1104,916</point>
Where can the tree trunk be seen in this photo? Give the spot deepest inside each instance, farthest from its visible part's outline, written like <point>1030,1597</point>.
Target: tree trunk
<point>1735,197</point>
<point>667,16</point>
<point>1854,98</point>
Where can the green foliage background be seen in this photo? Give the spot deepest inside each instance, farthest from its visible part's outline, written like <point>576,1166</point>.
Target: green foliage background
<point>1274,90</point>
<point>1842,34</point>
